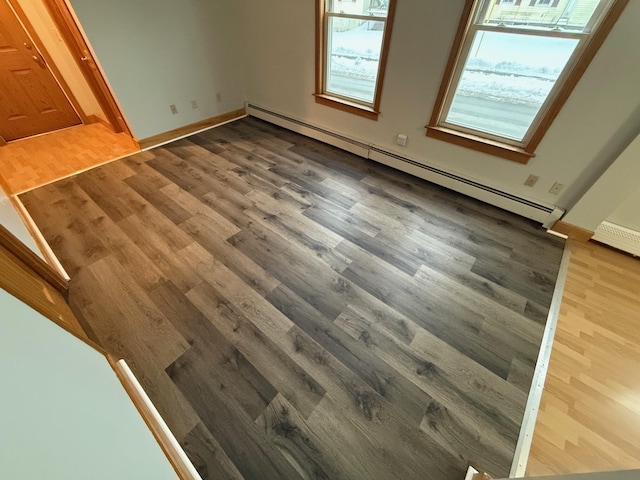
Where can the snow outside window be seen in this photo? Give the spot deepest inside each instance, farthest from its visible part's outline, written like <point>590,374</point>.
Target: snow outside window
<point>513,61</point>
<point>353,49</point>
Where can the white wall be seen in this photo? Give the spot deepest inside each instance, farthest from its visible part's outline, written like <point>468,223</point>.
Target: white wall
<point>161,52</point>
<point>628,214</point>
<point>64,413</point>
<point>612,189</point>
<point>47,32</point>
<point>599,120</point>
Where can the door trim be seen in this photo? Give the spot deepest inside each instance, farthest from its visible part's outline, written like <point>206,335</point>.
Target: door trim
<point>33,261</point>
<point>72,34</point>
<point>31,32</point>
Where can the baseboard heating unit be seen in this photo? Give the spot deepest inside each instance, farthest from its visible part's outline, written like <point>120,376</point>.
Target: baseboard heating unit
<point>544,214</point>
<point>618,237</point>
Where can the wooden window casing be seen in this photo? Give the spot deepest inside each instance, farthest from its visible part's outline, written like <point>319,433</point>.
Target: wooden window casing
<point>340,102</point>
<point>523,151</point>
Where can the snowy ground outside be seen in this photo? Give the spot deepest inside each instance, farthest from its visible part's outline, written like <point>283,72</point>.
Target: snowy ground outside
<point>517,70</point>
<point>505,88</point>
<point>498,71</point>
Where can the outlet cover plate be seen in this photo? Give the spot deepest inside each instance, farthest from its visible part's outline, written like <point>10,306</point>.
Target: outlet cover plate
<point>557,187</point>
<point>531,181</point>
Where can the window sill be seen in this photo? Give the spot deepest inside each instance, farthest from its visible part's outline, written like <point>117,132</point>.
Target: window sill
<point>347,106</point>
<point>474,142</point>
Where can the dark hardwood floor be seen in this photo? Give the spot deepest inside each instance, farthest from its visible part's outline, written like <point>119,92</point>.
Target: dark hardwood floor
<point>295,311</point>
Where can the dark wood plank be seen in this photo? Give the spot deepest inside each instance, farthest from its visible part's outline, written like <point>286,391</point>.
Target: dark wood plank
<point>454,322</point>
<point>289,432</point>
<point>365,425</point>
<point>251,273</point>
<point>129,326</point>
<point>155,197</point>
<point>390,223</point>
<point>228,366</point>
<point>325,290</point>
<point>291,381</point>
<point>295,311</point>
<point>180,172</point>
<point>404,253</point>
<point>69,235</point>
<point>378,375</point>
<point>310,182</point>
<point>241,438</point>
<point>207,456</point>
<point>113,201</point>
<point>527,281</point>
<point>159,250</point>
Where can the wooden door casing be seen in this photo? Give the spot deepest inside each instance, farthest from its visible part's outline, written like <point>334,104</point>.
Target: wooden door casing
<point>31,101</point>
<point>70,31</point>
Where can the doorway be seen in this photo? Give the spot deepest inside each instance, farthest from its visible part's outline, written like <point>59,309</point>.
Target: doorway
<point>52,24</point>
<point>32,101</point>
<point>97,133</point>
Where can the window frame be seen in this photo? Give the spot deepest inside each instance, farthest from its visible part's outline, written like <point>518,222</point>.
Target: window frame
<point>516,151</point>
<point>340,102</point>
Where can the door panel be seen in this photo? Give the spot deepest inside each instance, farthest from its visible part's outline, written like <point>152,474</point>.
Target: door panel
<point>31,101</point>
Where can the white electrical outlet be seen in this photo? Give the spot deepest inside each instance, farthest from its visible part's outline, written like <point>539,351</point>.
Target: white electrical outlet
<point>194,104</point>
<point>555,190</point>
<point>174,109</point>
<point>401,140</point>
<point>531,180</point>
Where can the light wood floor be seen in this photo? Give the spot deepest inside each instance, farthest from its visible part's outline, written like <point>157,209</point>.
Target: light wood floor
<point>590,412</point>
<point>295,311</point>
<point>35,161</point>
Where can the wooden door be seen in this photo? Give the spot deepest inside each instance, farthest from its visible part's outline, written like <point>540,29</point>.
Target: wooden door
<point>31,101</point>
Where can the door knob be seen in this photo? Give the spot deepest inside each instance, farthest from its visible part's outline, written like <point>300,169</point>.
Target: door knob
<point>36,58</point>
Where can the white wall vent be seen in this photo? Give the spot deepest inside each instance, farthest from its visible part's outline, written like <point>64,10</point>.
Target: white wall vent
<point>618,237</point>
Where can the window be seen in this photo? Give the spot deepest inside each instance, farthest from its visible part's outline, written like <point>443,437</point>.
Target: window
<point>512,67</point>
<point>352,42</point>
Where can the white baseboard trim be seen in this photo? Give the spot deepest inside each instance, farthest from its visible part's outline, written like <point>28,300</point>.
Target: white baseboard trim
<point>172,449</point>
<point>534,210</point>
<point>35,232</point>
<point>340,141</point>
<point>618,237</point>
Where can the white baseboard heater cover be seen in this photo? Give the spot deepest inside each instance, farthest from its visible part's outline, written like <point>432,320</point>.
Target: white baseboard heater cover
<point>618,237</point>
<point>521,206</point>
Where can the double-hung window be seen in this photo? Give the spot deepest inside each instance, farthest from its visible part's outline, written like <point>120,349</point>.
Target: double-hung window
<point>513,65</point>
<point>352,43</point>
